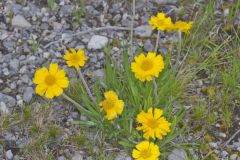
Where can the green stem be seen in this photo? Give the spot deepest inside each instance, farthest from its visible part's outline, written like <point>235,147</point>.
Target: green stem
<point>86,86</point>
<point>132,25</point>
<point>75,103</point>
<point>155,87</point>
<point>179,42</point>
<point>157,41</point>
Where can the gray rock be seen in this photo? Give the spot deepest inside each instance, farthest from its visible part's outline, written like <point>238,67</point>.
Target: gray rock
<point>148,45</point>
<point>57,26</point>
<point>117,18</point>
<point>61,158</point>
<point>9,155</point>
<point>122,156</point>
<point>144,31</point>
<point>5,71</point>
<point>20,21</point>
<point>3,108</point>
<point>178,154</point>
<point>67,37</point>
<point>224,154</point>
<point>9,45</point>
<point>14,64</point>
<point>222,135</point>
<point>66,10</point>
<point>25,79</point>
<point>98,74</point>
<point>3,34</point>
<point>46,55</point>
<point>166,1</point>
<point>126,20</point>
<point>8,100</point>
<point>16,157</point>
<point>28,93</point>
<point>213,145</point>
<point>77,156</point>
<point>97,42</point>
<point>233,157</point>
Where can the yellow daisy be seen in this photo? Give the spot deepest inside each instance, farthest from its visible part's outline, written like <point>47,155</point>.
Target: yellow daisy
<point>50,82</point>
<point>146,151</point>
<point>75,59</point>
<point>183,26</point>
<point>112,105</point>
<point>147,67</point>
<point>160,22</point>
<point>153,124</point>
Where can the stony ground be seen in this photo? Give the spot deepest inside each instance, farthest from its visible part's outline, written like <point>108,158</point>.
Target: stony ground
<point>34,33</point>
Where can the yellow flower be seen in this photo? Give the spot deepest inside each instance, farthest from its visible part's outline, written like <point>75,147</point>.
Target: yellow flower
<point>160,22</point>
<point>146,151</point>
<point>147,67</point>
<point>153,124</point>
<point>75,59</point>
<point>50,83</point>
<point>183,26</point>
<point>112,105</point>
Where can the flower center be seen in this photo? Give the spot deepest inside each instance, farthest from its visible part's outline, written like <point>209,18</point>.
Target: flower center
<point>160,22</point>
<point>75,58</point>
<point>146,65</point>
<point>153,123</point>
<point>108,104</point>
<point>146,153</point>
<point>50,80</point>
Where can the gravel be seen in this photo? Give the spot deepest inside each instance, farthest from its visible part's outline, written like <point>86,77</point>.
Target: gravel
<point>26,27</point>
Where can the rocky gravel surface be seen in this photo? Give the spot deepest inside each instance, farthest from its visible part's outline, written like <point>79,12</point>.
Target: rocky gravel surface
<point>33,35</point>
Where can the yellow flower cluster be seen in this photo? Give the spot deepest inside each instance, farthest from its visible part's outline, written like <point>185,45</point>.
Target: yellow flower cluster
<point>163,23</point>
<point>50,83</point>
<point>153,125</point>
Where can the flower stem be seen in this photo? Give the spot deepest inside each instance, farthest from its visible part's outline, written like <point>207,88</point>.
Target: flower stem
<point>86,86</point>
<point>157,41</point>
<point>132,25</point>
<point>75,103</point>
<point>179,42</point>
<point>155,87</point>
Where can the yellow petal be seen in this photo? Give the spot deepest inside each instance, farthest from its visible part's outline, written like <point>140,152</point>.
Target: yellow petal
<point>135,153</point>
<point>143,145</point>
<point>60,74</point>
<point>40,74</point>
<point>63,82</point>
<point>57,90</point>
<point>41,89</point>
<point>67,56</point>
<point>53,69</point>
<point>49,93</point>
<point>73,50</point>
<point>119,106</point>
<point>157,113</point>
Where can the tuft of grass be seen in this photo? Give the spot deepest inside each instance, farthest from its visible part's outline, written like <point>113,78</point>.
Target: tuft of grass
<point>137,96</point>
<point>80,11</point>
<point>34,46</point>
<point>51,4</point>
